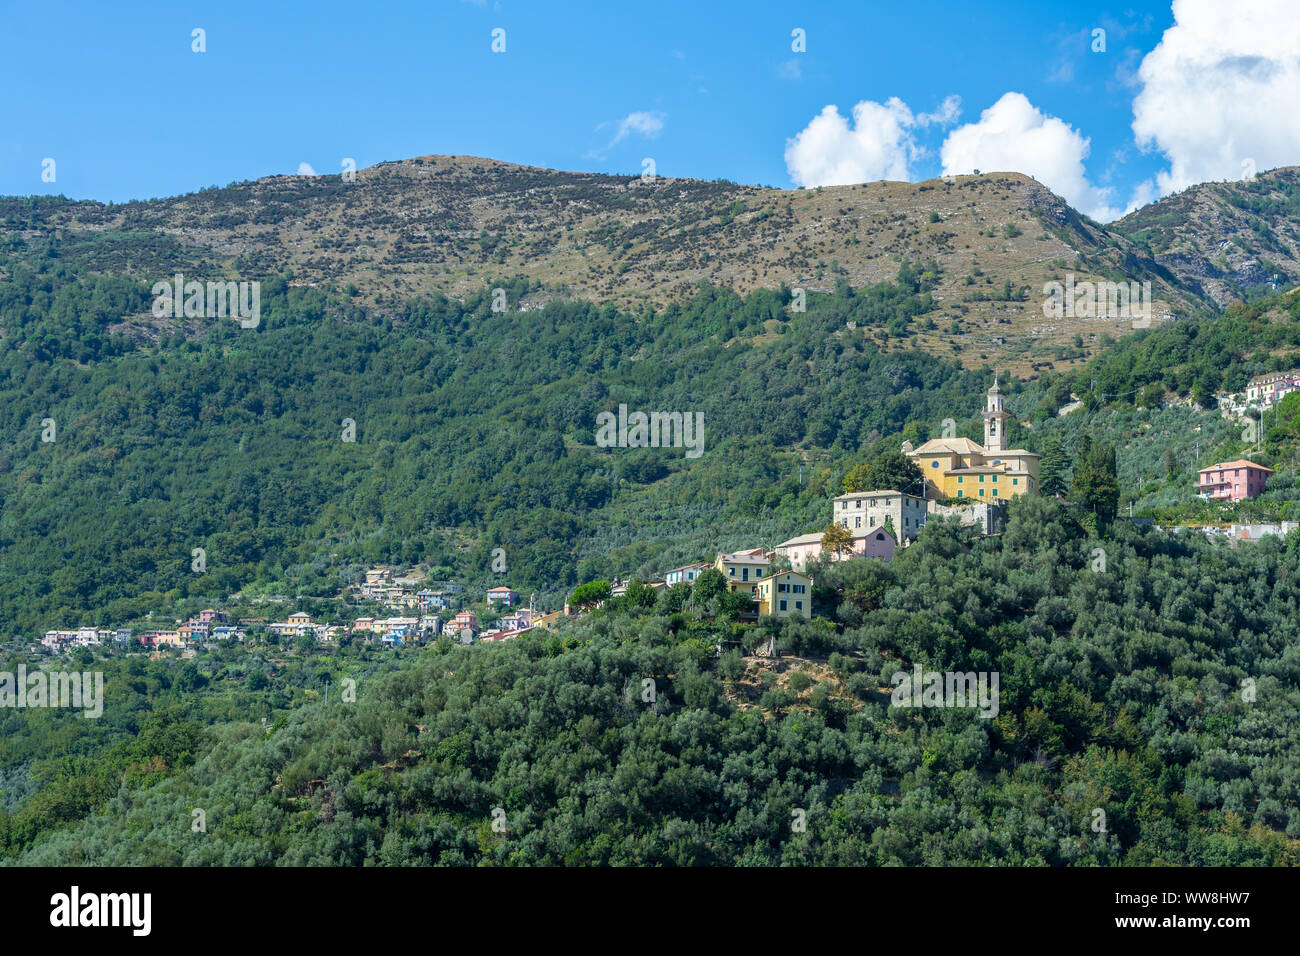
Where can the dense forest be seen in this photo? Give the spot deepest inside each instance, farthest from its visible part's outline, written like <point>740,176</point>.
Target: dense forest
<point>1146,716</point>
<point>473,430</point>
<point>1146,677</point>
<point>126,445</point>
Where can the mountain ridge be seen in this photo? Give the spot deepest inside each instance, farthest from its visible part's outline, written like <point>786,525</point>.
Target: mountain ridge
<point>455,225</point>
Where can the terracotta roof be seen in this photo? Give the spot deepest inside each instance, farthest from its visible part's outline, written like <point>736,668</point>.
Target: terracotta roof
<point>1239,463</point>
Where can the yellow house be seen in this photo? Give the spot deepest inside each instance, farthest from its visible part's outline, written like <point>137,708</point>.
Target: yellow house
<point>743,570</point>
<point>786,594</point>
<point>961,468</point>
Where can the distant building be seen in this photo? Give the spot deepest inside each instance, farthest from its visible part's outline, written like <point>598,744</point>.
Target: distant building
<point>786,594</point>
<point>501,595</point>
<point>403,630</point>
<point>867,510</point>
<point>1255,532</point>
<point>464,623</point>
<point>875,542</point>
<point>990,516</point>
<point>1237,480</point>
<point>517,621</point>
<point>743,569</point>
<point>961,468</point>
<point>686,574</point>
<point>298,624</point>
<point>1265,390</point>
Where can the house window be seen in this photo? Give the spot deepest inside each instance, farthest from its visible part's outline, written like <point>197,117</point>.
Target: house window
<point>759,571</point>
<point>858,523</point>
<point>880,537</point>
<point>783,605</point>
<point>981,479</point>
<point>1015,481</point>
<point>995,492</point>
<point>731,572</point>
<point>960,493</point>
<point>959,479</point>
<point>934,464</point>
<point>798,605</point>
<point>981,492</point>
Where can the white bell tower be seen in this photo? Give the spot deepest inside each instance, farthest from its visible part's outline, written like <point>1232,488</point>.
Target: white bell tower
<point>995,421</point>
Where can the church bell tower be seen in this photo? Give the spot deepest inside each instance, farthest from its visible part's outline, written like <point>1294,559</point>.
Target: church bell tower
<point>995,421</point>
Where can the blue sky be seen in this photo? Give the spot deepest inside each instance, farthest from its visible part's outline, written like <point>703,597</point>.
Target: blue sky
<point>114,94</point>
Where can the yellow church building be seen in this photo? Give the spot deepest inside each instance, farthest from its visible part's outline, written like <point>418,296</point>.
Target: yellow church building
<point>961,468</point>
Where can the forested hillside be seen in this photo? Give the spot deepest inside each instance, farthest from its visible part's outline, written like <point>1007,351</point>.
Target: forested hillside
<point>1148,676</point>
<point>474,430</point>
<point>1147,717</point>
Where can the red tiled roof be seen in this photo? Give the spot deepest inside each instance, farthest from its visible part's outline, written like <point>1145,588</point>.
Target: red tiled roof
<point>1239,463</point>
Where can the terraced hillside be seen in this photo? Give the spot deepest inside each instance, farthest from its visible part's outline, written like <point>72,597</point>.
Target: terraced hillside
<point>457,224</point>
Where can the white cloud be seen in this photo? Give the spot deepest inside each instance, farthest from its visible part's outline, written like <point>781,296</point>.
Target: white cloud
<point>649,125</point>
<point>945,115</point>
<point>1013,135</point>
<point>1220,89</point>
<point>304,169</point>
<point>830,152</point>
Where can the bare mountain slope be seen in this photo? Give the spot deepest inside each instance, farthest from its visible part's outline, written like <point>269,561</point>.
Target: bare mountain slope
<point>1228,239</point>
<point>455,224</point>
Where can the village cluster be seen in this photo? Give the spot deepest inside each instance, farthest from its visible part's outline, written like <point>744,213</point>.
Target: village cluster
<point>975,480</point>
<point>212,625</point>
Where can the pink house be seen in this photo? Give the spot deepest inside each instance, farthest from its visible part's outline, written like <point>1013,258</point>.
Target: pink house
<point>1233,480</point>
<point>501,596</point>
<point>867,543</point>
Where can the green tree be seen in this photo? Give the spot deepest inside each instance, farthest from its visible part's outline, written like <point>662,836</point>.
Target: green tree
<point>890,470</point>
<point>590,594</point>
<point>708,585</point>
<point>640,595</point>
<point>1096,485</point>
<point>731,666</point>
<point>1053,469</point>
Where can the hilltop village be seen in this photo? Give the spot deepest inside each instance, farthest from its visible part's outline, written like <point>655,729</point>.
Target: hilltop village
<point>960,478</point>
